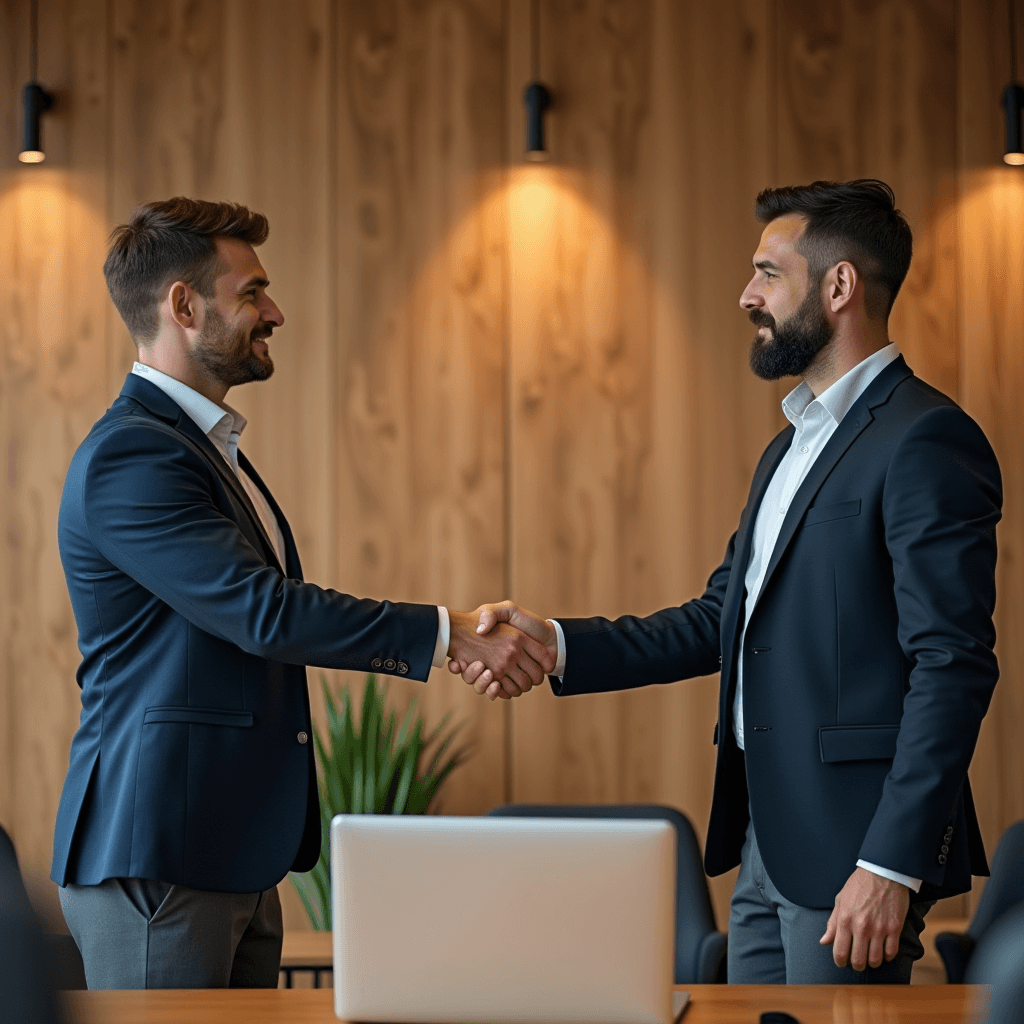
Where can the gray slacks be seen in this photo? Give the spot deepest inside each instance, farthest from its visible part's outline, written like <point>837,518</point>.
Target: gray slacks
<point>775,942</point>
<point>136,933</point>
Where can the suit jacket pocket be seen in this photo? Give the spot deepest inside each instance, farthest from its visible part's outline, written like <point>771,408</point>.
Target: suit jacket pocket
<point>838,510</point>
<point>858,743</point>
<point>198,716</point>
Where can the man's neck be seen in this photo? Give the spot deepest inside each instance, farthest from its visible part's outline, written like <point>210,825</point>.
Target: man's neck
<point>847,349</point>
<point>174,363</point>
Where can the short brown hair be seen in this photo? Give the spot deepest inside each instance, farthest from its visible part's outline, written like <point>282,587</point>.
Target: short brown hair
<point>853,220</point>
<point>171,240</point>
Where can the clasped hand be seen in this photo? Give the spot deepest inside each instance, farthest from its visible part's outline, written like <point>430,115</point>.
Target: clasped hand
<point>501,650</point>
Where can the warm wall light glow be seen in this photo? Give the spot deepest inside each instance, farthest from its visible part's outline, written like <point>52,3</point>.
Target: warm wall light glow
<point>1014,159</point>
<point>31,156</point>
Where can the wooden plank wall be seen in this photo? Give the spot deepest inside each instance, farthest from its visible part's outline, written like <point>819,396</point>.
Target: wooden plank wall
<point>497,378</point>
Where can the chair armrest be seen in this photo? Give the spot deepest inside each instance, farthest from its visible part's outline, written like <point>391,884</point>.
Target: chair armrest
<point>955,949</point>
<point>711,958</point>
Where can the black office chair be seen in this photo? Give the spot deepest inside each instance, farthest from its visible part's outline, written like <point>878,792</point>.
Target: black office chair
<point>58,953</point>
<point>700,947</point>
<point>999,963</point>
<point>1004,890</point>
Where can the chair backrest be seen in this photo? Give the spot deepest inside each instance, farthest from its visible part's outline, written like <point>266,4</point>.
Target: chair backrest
<point>998,962</point>
<point>1005,889</point>
<point>695,916</point>
<point>25,992</point>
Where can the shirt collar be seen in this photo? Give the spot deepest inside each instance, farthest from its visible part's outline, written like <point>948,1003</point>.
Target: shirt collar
<point>212,419</point>
<point>838,399</point>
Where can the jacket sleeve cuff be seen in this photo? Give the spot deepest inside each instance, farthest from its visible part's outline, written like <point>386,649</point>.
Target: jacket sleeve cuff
<point>893,876</point>
<point>559,670</point>
<point>444,635</point>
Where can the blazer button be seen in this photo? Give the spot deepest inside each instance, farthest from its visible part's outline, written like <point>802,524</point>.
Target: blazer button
<point>942,858</point>
<point>949,834</point>
<point>945,849</point>
<point>376,663</point>
<point>302,737</point>
<point>402,668</point>
<point>389,665</point>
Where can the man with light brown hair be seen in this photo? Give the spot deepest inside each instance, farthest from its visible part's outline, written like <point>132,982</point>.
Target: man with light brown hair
<point>191,789</point>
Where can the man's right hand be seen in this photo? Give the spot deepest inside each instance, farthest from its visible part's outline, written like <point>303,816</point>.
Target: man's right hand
<point>515,661</point>
<point>491,616</point>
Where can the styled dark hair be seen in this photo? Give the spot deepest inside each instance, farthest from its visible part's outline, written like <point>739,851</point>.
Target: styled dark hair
<point>855,221</point>
<point>171,240</point>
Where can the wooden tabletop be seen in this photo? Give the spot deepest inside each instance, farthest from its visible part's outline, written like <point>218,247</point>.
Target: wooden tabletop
<point>709,1004</point>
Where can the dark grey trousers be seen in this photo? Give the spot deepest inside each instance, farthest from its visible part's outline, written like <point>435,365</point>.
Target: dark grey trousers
<point>775,942</point>
<point>136,933</point>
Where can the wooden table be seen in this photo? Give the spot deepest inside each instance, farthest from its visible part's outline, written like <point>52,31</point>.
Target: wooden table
<point>709,1004</point>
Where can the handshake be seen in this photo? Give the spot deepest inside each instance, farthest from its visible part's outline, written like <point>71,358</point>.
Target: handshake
<point>501,650</point>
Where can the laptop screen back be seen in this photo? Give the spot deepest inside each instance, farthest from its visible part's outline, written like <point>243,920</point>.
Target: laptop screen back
<point>468,920</point>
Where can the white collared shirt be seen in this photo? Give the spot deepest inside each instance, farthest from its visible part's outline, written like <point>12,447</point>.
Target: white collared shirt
<point>223,426</point>
<point>815,420</point>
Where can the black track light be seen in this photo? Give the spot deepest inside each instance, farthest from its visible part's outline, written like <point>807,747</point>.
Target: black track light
<point>35,99</point>
<point>537,100</point>
<point>1013,101</point>
<point>537,97</point>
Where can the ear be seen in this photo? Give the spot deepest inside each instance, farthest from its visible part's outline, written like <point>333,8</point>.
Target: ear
<point>184,306</point>
<point>840,283</point>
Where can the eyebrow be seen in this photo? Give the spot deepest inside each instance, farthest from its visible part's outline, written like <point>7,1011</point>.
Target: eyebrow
<point>766,265</point>
<point>260,282</point>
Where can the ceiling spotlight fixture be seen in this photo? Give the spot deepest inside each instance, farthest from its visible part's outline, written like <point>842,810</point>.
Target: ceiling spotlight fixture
<point>1013,101</point>
<point>537,97</point>
<point>35,99</point>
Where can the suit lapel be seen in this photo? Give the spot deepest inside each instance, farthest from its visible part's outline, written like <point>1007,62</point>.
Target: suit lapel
<point>165,408</point>
<point>853,423</point>
<point>291,552</point>
<point>733,607</point>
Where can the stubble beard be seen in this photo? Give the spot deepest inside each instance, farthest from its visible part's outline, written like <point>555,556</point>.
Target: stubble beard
<point>794,344</point>
<point>227,355</point>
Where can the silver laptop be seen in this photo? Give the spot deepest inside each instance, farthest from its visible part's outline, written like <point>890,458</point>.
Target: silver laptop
<point>477,920</point>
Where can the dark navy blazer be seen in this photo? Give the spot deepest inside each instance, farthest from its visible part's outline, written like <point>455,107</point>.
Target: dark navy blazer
<point>193,761</point>
<point>868,664</point>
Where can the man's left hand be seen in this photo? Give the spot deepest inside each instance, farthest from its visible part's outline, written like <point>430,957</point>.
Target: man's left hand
<point>865,927</point>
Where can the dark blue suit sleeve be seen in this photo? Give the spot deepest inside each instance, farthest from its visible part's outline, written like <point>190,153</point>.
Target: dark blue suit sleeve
<point>669,645</point>
<point>941,503</point>
<point>150,511</point>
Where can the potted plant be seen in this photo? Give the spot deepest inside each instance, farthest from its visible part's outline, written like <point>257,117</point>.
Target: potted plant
<point>369,768</point>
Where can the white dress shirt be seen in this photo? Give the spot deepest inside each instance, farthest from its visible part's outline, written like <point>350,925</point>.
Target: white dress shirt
<point>223,426</point>
<point>815,420</point>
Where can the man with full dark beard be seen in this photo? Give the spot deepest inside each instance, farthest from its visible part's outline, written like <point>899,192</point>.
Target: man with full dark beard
<point>851,619</point>
<point>191,789</point>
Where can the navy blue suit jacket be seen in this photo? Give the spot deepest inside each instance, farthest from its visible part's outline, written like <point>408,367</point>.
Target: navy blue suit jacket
<point>188,765</point>
<point>868,659</point>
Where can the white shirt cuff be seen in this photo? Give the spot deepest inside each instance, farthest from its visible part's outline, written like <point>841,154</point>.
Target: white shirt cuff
<point>444,636</point>
<point>893,876</point>
<point>559,669</point>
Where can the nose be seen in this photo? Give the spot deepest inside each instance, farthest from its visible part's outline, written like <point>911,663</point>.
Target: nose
<point>750,299</point>
<point>271,312</point>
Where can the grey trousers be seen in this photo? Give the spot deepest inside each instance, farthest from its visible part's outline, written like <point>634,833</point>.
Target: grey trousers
<point>775,942</point>
<point>136,933</point>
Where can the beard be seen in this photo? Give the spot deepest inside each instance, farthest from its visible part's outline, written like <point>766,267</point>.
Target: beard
<point>226,353</point>
<point>795,343</point>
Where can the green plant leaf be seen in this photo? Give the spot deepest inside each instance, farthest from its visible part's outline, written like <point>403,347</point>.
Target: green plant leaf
<point>369,767</point>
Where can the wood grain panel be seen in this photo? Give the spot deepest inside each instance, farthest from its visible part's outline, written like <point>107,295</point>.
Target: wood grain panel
<point>635,422</point>
<point>868,90</point>
<point>52,387</point>
<point>420,320</point>
<point>991,284</point>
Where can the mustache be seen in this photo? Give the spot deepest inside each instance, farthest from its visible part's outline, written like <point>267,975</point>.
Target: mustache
<point>260,332</point>
<point>762,318</point>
